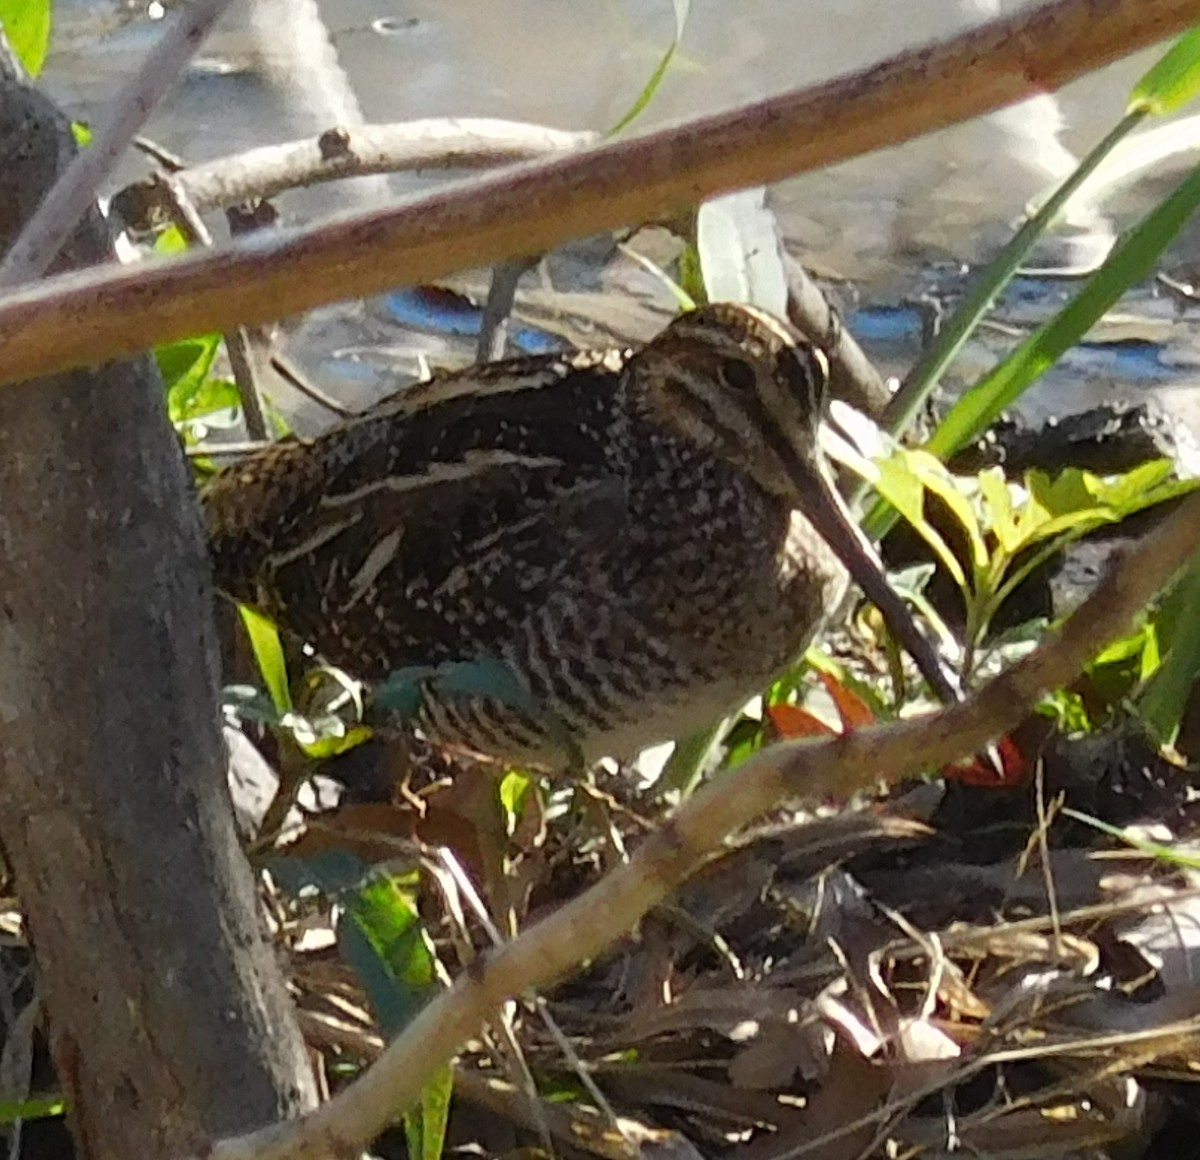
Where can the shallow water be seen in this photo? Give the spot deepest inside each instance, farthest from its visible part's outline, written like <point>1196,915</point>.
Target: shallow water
<point>897,225</point>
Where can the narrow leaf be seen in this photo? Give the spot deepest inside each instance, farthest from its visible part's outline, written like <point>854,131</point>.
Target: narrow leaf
<point>1165,697</point>
<point>27,27</point>
<point>682,8</point>
<point>268,654</point>
<point>1173,81</point>
<point>382,937</point>
<point>425,1125</point>
<point>1131,261</point>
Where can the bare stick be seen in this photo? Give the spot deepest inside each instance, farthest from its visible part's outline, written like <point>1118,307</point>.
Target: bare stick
<point>852,376</point>
<point>39,242</point>
<point>440,143</point>
<point>86,318</point>
<point>497,310</point>
<point>585,927</point>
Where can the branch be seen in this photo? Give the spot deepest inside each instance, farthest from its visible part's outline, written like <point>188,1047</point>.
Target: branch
<point>68,322</point>
<point>362,151</point>
<point>74,192</point>
<point>585,927</point>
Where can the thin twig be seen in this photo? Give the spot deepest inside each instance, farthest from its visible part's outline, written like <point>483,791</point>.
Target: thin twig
<point>295,377</point>
<point>219,450</point>
<point>852,376</point>
<point>365,150</point>
<point>105,314</point>
<point>585,927</point>
<point>497,310</point>
<point>39,242</point>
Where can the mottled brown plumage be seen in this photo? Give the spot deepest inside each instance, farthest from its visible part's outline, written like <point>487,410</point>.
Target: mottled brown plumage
<point>628,533</point>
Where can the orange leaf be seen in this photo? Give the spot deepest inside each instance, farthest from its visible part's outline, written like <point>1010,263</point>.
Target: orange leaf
<point>792,721</point>
<point>852,709</point>
<point>977,771</point>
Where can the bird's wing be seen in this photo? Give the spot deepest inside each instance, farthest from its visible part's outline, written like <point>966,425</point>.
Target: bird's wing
<point>405,536</point>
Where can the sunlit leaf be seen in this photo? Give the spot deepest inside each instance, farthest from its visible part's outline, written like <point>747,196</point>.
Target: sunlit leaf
<point>27,28</point>
<point>1003,518</point>
<point>268,654</point>
<point>1162,703</point>
<point>683,299</point>
<point>1130,261</point>
<point>425,1125</point>
<point>514,791</point>
<point>382,937</point>
<point>934,476</point>
<point>1154,849</point>
<point>47,1107</point>
<point>682,10</point>
<point>171,241</point>
<point>902,488</point>
<point>1172,81</point>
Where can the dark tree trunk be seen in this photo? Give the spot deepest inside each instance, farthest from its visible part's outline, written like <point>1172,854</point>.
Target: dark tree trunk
<point>171,1024</point>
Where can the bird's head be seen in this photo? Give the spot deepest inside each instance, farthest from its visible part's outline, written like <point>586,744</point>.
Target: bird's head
<point>737,383</point>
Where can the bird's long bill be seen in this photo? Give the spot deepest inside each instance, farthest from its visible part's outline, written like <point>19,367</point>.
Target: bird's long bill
<point>827,513</point>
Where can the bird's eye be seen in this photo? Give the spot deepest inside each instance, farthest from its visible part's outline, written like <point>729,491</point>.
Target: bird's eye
<point>737,375</point>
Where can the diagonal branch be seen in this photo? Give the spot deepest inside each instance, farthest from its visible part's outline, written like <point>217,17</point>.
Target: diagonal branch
<point>68,322</point>
<point>595,920</point>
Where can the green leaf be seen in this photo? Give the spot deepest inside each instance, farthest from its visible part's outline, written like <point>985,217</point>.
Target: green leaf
<point>171,241</point>
<point>901,486</point>
<point>1173,81</point>
<point>935,478</point>
<point>1165,697</point>
<point>1003,518</point>
<point>268,654</point>
<point>34,1108</point>
<point>682,9</point>
<point>382,937</point>
<point>425,1125</point>
<point>82,132</point>
<point>27,27</point>
<point>185,367</point>
<point>1131,261</point>
<point>986,288</point>
<point>514,791</point>
<point>1153,849</point>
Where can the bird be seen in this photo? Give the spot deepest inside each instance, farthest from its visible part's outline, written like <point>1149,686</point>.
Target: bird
<point>639,540</point>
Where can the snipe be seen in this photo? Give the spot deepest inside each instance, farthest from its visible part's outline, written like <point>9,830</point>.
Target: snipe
<point>641,539</point>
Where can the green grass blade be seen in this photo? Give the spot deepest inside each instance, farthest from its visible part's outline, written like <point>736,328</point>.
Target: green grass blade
<point>682,9</point>
<point>1165,697</point>
<point>1173,81</point>
<point>930,368</point>
<point>1131,261</point>
<point>268,653</point>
